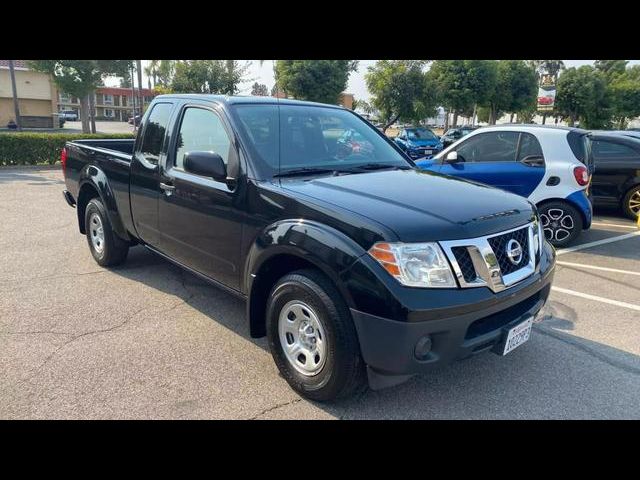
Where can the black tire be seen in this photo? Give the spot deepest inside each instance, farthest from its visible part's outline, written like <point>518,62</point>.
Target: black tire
<point>557,217</point>
<point>632,195</point>
<point>343,371</point>
<point>112,250</point>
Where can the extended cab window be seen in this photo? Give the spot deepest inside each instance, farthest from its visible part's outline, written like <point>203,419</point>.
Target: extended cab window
<point>201,130</point>
<point>489,147</point>
<point>154,132</point>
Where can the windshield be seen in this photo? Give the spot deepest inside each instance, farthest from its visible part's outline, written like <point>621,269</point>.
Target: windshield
<point>286,138</point>
<point>421,134</point>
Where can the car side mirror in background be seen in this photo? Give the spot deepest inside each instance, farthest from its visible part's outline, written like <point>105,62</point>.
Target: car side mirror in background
<point>452,157</point>
<point>207,164</point>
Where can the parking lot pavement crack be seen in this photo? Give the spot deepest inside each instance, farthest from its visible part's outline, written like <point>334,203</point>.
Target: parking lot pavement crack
<point>275,407</point>
<point>575,342</point>
<point>34,371</point>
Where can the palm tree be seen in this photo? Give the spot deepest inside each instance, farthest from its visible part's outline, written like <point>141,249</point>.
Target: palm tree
<point>151,70</point>
<point>16,107</point>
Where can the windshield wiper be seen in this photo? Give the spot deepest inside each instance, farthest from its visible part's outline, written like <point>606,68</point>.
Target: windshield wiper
<point>304,171</point>
<point>380,166</point>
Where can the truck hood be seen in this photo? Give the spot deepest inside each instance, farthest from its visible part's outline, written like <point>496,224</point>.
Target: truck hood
<point>419,205</point>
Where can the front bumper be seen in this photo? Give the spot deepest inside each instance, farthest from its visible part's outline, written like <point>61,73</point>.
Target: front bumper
<point>456,331</point>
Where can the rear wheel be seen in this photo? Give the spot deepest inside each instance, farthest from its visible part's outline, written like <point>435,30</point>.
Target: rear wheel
<point>312,337</point>
<point>106,247</point>
<point>561,222</point>
<point>631,203</point>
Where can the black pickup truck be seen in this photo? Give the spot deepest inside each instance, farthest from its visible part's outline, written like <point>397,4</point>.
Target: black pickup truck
<point>356,265</point>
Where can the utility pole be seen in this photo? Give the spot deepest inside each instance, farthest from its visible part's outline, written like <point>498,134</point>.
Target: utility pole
<point>133,100</point>
<point>139,67</point>
<point>16,107</point>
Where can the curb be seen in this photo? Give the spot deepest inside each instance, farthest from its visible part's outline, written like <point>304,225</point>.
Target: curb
<point>55,166</point>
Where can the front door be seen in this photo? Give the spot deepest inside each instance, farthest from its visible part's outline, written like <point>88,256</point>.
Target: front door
<point>200,223</point>
<point>509,160</point>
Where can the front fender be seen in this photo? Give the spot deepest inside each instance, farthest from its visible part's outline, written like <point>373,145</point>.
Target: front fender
<point>97,178</point>
<point>328,249</point>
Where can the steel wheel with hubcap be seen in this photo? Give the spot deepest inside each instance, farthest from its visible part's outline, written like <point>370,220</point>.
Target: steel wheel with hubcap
<point>302,337</point>
<point>106,247</point>
<point>96,232</point>
<point>312,337</point>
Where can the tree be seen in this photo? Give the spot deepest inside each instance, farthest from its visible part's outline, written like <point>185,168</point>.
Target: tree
<point>259,89</point>
<point>624,92</point>
<point>80,78</point>
<point>462,84</point>
<point>582,95</point>
<point>611,68</point>
<point>515,89</point>
<point>208,76</point>
<point>125,80</point>
<point>400,91</point>
<point>315,80</point>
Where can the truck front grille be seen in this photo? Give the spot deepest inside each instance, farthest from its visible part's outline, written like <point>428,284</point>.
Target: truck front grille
<point>465,263</point>
<point>485,261</point>
<point>499,246</point>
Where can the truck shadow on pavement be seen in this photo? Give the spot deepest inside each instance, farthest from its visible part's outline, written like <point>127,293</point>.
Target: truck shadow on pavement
<point>554,375</point>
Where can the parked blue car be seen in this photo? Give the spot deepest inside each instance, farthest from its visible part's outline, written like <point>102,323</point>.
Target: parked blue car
<point>418,142</point>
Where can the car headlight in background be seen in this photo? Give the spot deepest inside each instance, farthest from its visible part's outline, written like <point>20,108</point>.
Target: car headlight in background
<point>415,264</point>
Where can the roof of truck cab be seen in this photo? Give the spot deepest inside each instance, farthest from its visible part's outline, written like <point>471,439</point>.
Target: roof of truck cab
<point>243,99</point>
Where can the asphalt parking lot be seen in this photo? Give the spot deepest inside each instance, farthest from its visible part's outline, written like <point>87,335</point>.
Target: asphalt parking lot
<point>147,340</point>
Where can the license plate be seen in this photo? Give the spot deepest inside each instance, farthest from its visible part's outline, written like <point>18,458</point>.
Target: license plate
<point>517,335</point>
<point>428,152</point>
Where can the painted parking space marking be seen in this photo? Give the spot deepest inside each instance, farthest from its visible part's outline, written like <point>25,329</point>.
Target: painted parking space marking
<point>597,242</point>
<point>619,225</point>
<point>597,299</point>
<point>593,267</point>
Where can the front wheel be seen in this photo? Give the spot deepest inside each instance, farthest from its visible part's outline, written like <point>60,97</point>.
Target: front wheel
<point>312,337</point>
<point>561,222</point>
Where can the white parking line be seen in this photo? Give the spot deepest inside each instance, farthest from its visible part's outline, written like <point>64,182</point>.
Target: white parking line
<point>633,227</point>
<point>593,267</point>
<point>597,299</point>
<point>597,242</point>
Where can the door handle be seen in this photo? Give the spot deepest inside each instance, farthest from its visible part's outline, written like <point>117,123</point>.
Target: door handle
<point>168,188</point>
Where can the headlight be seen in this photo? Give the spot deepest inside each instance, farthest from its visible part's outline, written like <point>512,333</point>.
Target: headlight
<point>415,264</point>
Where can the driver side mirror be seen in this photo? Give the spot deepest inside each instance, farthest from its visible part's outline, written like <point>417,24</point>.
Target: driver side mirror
<point>207,164</point>
<point>452,157</point>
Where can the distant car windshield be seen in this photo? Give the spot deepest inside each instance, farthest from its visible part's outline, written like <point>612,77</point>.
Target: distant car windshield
<point>284,138</point>
<point>421,134</point>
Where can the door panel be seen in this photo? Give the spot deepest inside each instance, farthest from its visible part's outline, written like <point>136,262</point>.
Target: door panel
<point>615,164</point>
<point>144,184</point>
<point>490,158</point>
<point>200,222</point>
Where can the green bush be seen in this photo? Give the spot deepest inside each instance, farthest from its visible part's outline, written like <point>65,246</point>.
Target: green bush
<point>32,148</point>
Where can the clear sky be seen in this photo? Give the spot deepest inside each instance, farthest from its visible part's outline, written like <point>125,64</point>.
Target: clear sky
<point>264,74</point>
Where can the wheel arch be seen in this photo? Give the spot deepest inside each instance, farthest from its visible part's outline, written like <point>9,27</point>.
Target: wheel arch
<point>94,183</point>
<point>291,245</point>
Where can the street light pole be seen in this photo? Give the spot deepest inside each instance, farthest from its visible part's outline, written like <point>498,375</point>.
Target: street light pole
<point>16,107</point>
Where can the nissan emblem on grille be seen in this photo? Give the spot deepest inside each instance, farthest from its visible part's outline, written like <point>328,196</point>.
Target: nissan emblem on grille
<point>514,251</point>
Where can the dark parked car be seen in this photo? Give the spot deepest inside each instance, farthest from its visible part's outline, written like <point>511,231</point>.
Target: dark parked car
<point>616,180</point>
<point>356,267</point>
<point>418,142</point>
<point>135,120</point>
<point>454,134</point>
